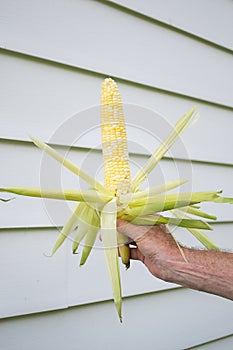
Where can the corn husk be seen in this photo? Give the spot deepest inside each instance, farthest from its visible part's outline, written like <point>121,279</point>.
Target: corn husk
<point>101,204</point>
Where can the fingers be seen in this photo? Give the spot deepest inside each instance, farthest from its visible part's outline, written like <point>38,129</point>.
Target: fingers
<point>135,254</point>
<point>130,230</point>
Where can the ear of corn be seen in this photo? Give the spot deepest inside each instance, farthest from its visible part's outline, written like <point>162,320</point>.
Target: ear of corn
<point>115,151</point>
<point>114,140</point>
<point>100,205</point>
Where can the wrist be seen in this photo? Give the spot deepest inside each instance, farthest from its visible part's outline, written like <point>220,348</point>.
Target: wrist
<point>201,271</point>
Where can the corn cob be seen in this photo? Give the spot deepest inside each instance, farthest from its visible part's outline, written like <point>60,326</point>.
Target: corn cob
<point>114,140</point>
<point>115,151</point>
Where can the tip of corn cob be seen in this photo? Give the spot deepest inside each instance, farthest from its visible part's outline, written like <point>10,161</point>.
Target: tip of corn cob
<point>109,83</point>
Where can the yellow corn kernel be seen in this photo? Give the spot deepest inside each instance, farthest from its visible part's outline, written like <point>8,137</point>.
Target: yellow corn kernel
<point>114,140</point>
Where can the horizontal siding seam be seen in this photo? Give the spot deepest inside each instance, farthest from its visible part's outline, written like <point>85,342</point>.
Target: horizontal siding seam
<point>65,65</point>
<point>164,24</point>
<point>108,300</point>
<point>57,228</point>
<point>211,341</point>
<point>132,154</point>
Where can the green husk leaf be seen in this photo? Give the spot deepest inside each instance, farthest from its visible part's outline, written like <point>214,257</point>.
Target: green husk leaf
<point>167,186</point>
<point>179,246</point>
<point>224,200</point>
<point>109,238</point>
<point>197,212</point>
<point>69,227</point>
<point>90,237</point>
<point>203,239</point>
<point>89,242</point>
<point>69,165</point>
<point>159,203</point>
<point>199,235</point>
<point>84,224</point>
<point>6,200</point>
<point>91,196</point>
<point>79,235</point>
<point>158,220</point>
<point>183,123</point>
<point>124,249</point>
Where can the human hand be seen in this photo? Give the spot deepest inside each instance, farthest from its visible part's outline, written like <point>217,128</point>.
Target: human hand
<point>208,271</point>
<point>153,245</point>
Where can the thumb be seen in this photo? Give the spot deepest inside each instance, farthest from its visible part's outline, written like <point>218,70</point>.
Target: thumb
<point>132,231</point>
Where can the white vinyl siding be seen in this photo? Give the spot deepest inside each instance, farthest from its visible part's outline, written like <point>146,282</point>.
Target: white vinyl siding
<point>152,320</point>
<point>92,35</point>
<point>44,283</point>
<point>53,58</point>
<point>196,17</point>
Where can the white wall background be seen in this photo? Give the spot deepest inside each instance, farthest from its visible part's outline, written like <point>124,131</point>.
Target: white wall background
<point>166,57</point>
